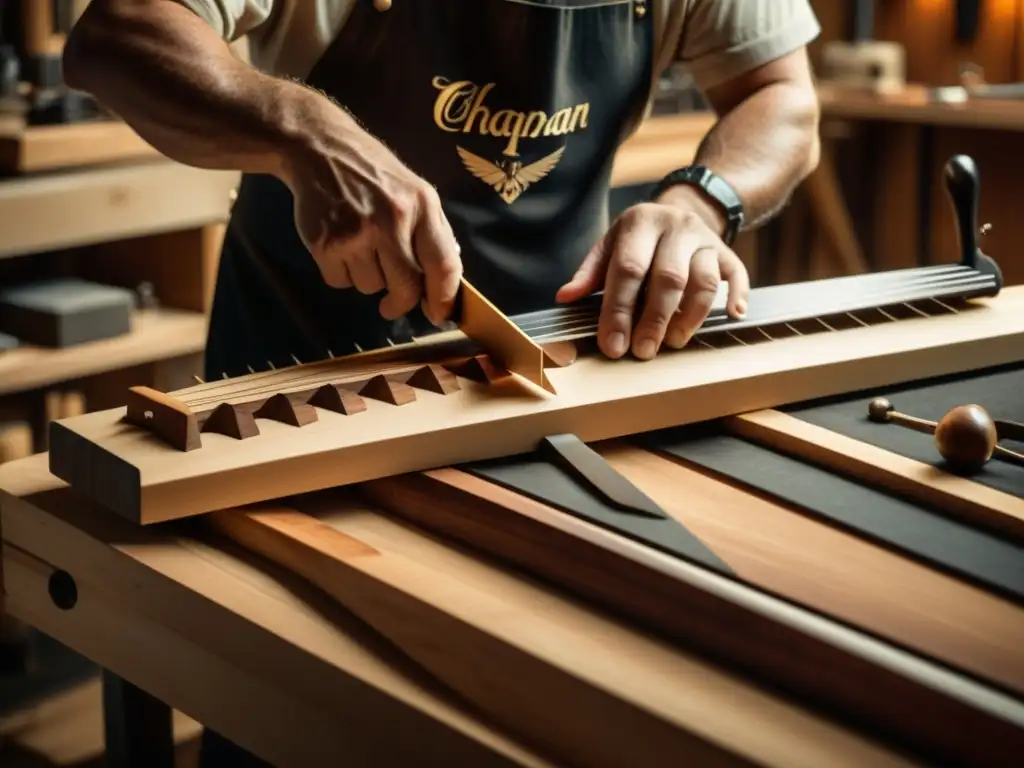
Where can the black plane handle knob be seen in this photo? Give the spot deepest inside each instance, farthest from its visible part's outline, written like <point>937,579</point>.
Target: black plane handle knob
<point>963,185</point>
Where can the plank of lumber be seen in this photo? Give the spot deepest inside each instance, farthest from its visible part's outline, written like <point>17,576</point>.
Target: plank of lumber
<point>148,481</point>
<point>836,668</point>
<point>83,207</point>
<point>544,673</point>
<point>49,147</point>
<point>836,572</point>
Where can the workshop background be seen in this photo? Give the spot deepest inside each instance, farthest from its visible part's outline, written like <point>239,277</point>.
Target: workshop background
<point>108,252</point>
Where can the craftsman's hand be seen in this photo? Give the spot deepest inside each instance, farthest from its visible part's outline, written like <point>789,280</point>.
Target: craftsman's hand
<point>371,223</point>
<point>660,264</point>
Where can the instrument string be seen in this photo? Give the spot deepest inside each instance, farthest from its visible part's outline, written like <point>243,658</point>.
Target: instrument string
<point>292,380</point>
<point>791,304</point>
<point>287,381</point>
<point>778,318</point>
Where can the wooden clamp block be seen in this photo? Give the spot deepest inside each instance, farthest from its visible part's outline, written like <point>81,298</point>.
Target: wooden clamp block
<point>161,414</point>
<point>387,391</point>
<point>281,408</point>
<point>434,378</point>
<point>332,397</point>
<point>233,421</point>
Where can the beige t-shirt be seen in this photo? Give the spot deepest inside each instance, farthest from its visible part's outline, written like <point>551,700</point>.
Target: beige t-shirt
<point>715,39</point>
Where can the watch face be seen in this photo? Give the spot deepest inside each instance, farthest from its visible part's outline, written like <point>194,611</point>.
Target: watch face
<point>722,192</point>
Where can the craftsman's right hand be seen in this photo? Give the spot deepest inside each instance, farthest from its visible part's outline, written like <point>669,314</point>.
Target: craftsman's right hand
<point>372,224</point>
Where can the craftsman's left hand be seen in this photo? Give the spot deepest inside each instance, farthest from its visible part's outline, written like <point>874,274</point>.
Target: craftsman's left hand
<point>665,257</point>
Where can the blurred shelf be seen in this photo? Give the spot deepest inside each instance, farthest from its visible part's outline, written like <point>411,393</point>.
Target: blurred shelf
<point>88,206</point>
<point>914,104</point>
<point>48,147</point>
<point>157,334</point>
<point>662,144</point>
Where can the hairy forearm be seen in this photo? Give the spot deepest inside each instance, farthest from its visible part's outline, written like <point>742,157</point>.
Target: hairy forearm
<point>765,147</point>
<point>166,73</point>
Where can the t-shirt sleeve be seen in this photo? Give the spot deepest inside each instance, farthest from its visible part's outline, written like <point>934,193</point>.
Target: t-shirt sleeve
<point>725,38</point>
<point>231,19</point>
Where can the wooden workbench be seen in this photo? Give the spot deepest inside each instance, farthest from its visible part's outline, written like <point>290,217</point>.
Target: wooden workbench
<point>454,617</point>
<point>254,652</point>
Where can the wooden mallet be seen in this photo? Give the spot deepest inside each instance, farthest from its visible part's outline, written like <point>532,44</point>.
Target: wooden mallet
<point>966,437</point>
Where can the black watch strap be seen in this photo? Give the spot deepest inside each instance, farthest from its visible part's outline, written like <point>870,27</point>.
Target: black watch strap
<point>715,187</point>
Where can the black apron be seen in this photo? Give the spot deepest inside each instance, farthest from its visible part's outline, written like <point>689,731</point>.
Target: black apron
<point>513,109</point>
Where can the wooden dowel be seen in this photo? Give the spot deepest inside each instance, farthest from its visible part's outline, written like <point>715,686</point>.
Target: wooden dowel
<point>912,422</point>
<point>1010,430</point>
<point>40,35</point>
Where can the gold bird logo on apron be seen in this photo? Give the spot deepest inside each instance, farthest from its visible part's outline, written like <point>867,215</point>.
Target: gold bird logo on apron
<point>509,178</point>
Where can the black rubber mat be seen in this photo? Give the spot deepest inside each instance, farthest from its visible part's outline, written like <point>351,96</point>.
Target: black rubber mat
<point>1000,392</point>
<point>901,525</point>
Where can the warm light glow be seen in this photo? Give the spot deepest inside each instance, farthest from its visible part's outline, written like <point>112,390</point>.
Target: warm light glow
<point>999,10</point>
<point>991,10</point>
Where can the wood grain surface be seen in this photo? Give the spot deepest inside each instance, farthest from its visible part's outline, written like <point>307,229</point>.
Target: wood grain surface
<point>768,639</point>
<point>147,481</point>
<point>250,649</point>
<point>833,571</point>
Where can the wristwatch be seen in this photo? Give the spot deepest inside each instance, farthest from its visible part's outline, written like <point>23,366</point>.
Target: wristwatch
<point>714,187</point>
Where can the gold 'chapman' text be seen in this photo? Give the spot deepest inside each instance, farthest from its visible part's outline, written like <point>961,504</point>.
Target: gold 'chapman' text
<point>460,108</point>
